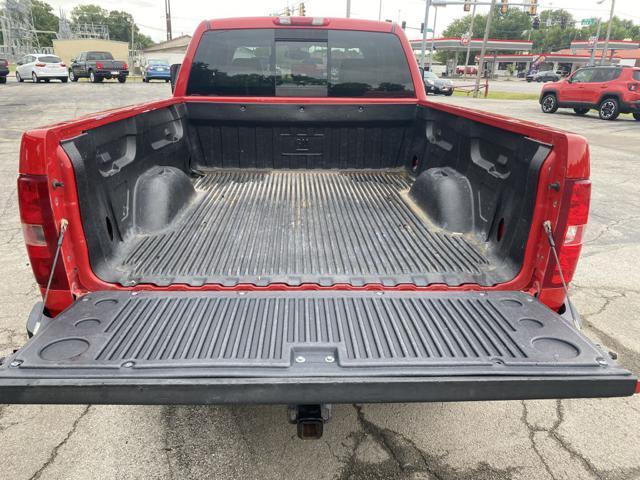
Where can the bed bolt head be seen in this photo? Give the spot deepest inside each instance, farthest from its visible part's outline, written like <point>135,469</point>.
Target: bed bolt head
<point>16,363</point>
<point>300,359</point>
<point>329,359</point>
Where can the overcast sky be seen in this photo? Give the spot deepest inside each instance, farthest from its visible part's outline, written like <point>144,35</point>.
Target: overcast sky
<point>186,14</point>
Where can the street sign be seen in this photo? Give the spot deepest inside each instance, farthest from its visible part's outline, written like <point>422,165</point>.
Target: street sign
<point>585,22</point>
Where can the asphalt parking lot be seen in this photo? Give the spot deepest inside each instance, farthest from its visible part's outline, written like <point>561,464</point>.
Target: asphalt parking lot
<point>573,439</point>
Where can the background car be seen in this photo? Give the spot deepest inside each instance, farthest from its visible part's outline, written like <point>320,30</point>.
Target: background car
<point>436,85</point>
<point>470,69</point>
<point>98,66</point>
<point>611,90</point>
<point>4,70</point>
<point>156,70</point>
<point>544,76</point>
<point>38,67</point>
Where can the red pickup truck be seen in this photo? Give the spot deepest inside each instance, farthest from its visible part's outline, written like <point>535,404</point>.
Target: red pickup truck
<point>299,224</point>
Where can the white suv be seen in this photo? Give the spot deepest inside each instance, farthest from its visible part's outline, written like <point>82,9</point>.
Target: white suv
<point>41,67</point>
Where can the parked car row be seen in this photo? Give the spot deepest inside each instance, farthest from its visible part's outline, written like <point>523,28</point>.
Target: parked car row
<point>96,66</point>
<point>611,90</point>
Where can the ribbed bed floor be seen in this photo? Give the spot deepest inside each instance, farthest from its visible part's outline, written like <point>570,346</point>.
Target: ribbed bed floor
<point>294,227</point>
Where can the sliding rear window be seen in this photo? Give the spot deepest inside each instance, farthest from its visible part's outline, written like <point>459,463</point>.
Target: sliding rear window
<point>300,63</point>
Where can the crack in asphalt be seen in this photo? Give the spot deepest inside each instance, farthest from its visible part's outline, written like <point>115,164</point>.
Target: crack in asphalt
<point>407,459</point>
<point>54,453</point>
<point>574,454</point>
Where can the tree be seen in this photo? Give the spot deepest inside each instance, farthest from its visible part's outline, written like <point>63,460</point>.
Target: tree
<point>89,14</point>
<point>119,23</point>
<point>44,19</point>
<point>553,38</point>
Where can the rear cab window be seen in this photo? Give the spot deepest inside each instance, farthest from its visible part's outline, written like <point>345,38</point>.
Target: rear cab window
<point>636,75</point>
<point>49,59</point>
<point>92,56</point>
<point>300,63</point>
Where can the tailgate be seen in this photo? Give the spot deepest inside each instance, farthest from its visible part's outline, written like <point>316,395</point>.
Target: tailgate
<point>307,347</point>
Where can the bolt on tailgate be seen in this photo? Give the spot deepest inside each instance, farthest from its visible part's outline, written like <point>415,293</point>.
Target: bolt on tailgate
<point>307,347</point>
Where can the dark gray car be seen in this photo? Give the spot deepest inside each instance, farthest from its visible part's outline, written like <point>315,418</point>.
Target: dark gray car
<point>4,70</point>
<point>436,85</point>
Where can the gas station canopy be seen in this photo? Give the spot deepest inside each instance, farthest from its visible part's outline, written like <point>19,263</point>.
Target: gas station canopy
<point>458,44</point>
<point>613,45</point>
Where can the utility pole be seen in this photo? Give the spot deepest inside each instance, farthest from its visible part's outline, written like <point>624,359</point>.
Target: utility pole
<point>484,48</point>
<point>424,34</point>
<point>592,61</point>
<point>606,42</point>
<point>167,9</point>
<point>380,11</point>
<point>348,8</point>
<point>466,58</point>
<point>433,36</point>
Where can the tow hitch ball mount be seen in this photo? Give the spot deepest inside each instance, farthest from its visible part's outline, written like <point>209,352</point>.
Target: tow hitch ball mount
<point>310,419</point>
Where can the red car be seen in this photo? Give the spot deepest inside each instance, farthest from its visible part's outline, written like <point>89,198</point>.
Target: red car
<point>300,225</point>
<point>610,90</point>
<point>469,70</point>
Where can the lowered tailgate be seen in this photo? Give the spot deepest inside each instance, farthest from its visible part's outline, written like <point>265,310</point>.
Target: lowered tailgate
<point>307,347</point>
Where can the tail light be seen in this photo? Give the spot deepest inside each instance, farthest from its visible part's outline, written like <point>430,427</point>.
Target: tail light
<point>40,233</point>
<point>41,64</point>
<point>633,87</point>
<point>63,64</point>
<point>125,66</point>
<point>569,241</point>
<point>99,65</point>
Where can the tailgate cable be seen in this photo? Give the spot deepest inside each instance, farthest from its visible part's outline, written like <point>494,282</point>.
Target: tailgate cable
<point>63,228</point>
<point>575,317</point>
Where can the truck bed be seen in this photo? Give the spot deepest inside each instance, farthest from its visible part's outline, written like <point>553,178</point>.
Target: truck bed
<point>293,227</point>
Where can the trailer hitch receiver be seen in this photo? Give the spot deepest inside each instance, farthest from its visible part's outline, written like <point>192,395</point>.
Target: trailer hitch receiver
<point>310,419</point>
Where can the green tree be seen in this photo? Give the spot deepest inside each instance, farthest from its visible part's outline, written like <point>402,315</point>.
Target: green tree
<point>553,37</point>
<point>89,14</point>
<point>119,23</point>
<point>44,19</point>
<point>620,30</point>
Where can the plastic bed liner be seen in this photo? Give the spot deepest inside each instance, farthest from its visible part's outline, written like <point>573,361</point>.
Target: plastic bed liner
<point>315,347</point>
<point>294,227</point>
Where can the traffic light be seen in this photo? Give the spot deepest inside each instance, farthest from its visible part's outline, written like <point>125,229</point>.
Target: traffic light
<point>533,8</point>
<point>287,12</point>
<point>505,7</point>
<point>301,10</point>
<point>467,5</point>
<point>536,23</point>
<point>422,27</point>
<point>404,25</point>
<point>563,22</point>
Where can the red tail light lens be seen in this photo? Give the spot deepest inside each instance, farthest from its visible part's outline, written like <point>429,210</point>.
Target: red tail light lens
<point>569,244</point>
<point>41,64</point>
<point>99,65</point>
<point>63,64</point>
<point>40,233</point>
<point>125,66</point>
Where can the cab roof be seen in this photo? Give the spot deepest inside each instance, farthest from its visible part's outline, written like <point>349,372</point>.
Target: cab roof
<point>329,23</point>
